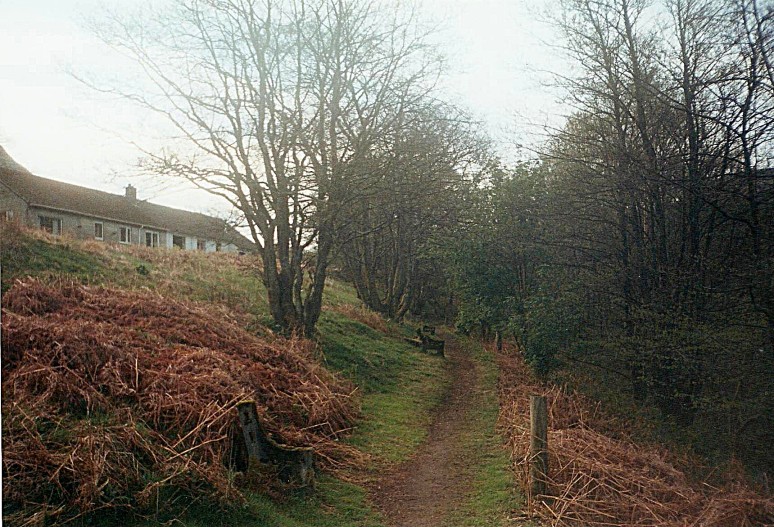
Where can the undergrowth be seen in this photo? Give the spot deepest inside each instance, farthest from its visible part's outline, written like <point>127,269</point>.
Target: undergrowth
<point>399,387</point>
<point>600,474</point>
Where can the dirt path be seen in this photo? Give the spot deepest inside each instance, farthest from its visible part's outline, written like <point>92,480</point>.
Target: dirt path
<point>422,491</point>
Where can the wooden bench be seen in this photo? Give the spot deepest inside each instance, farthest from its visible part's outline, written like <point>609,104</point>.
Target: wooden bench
<point>426,341</point>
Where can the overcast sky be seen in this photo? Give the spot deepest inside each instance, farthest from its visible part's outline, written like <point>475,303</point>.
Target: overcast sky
<point>59,129</point>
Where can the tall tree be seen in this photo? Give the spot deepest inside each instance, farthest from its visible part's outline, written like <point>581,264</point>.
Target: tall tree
<point>275,102</point>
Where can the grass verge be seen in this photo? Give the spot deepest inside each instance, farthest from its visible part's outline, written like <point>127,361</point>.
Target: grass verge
<point>494,497</point>
<point>400,386</point>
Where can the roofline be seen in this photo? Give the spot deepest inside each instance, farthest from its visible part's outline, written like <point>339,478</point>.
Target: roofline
<point>25,200</point>
<point>229,235</point>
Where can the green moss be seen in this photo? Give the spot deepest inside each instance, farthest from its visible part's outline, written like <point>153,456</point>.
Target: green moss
<point>334,503</point>
<point>338,293</point>
<point>400,386</point>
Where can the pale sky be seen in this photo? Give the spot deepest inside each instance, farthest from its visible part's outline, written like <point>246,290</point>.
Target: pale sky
<point>59,129</point>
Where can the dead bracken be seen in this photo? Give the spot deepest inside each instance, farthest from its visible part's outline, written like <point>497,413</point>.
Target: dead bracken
<point>600,477</point>
<point>110,395</point>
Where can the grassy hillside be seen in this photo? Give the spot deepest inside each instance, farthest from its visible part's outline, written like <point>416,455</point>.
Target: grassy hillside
<point>397,386</point>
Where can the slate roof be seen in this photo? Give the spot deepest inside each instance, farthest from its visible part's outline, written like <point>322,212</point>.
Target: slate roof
<point>65,197</point>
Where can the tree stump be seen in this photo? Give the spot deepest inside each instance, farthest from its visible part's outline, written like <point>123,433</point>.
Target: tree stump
<point>295,464</point>
<point>430,343</point>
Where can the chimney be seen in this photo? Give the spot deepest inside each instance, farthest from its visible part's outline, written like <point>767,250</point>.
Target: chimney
<point>131,192</point>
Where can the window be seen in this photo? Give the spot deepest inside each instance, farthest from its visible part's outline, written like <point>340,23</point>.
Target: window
<point>201,245</point>
<point>51,225</point>
<point>178,241</point>
<point>151,239</point>
<point>98,231</point>
<point>125,234</point>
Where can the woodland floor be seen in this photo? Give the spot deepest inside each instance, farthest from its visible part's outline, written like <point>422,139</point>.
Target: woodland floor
<point>427,489</point>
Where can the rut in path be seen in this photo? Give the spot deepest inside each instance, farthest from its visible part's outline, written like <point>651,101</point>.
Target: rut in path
<point>422,491</point>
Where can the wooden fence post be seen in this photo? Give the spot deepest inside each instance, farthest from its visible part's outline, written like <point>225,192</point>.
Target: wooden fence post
<point>538,447</point>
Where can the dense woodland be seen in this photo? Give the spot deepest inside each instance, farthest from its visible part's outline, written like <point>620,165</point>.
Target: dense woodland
<point>640,247</point>
<point>635,247</point>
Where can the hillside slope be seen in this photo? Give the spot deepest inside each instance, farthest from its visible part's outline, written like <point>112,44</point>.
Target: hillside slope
<point>86,369</point>
<point>121,366</point>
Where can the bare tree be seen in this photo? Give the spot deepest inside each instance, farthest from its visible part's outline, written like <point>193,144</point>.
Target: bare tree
<point>274,101</point>
<point>663,198</point>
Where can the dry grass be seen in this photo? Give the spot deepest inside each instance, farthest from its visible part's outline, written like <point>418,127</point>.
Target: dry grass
<point>109,395</point>
<point>364,315</point>
<point>598,476</point>
<point>171,272</point>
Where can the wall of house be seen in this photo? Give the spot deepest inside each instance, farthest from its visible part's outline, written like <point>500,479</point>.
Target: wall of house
<point>224,247</point>
<point>210,246</point>
<point>72,224</point>
<point>82,227</point>
<point>11,202</point>
<point>167,241</point>
<point>111,231</point>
